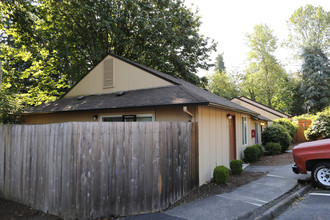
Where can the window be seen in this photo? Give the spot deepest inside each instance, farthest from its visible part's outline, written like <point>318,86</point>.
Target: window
<point>244,130</point>
<point>257,133</point>
<point>127,118</point>
<point>112,119</point>
<point>144,118</point>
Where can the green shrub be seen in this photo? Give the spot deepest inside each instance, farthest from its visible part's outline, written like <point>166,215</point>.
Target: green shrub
<point>288,125</point>
<point>251,154</point>
<point>320,127</point>
<point>260,149</point>
<point>278,134</point>
<point>220,174</point>
<point>273,148</point>
<point>236,167</point>
<point>304,117</point>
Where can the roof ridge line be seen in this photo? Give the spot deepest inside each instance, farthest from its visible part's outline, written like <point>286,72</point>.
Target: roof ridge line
<point>189,92</point>
<point>263,106</point>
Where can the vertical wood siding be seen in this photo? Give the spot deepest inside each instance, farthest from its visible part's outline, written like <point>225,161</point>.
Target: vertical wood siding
<point>214,145</point>
<point>213,141</point>
<point>85,170</point>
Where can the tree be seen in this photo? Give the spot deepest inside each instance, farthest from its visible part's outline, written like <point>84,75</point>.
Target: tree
<point>248,85</point>
<point>315,78</point>
<point>264,76</point>
<point>48,45</point>
<point>308,26</point>
<point>219,63</point>
<point>159,34</point>
<point>222,84</point>
<point>292,97</point>
<point>320,127</point>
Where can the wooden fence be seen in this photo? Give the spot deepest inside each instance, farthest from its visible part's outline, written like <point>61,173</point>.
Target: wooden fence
<point>84,170</point>
<point>300,135</point>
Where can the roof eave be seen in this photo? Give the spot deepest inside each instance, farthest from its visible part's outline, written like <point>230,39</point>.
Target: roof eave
<point>102,109</point>
<point>233,109</point>
<point>278,112</point>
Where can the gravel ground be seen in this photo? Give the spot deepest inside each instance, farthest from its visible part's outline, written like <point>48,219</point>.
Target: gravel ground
<point>277,160</point>
<point>15,211</point>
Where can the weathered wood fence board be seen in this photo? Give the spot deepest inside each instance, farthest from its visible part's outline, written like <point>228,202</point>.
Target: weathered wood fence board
<point>84,170</point>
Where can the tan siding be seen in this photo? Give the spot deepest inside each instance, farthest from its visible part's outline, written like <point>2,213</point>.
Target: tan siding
<point>213,140</point>
<point>170,114</point>
<point>265,107</point>
<point>174,114</point>
<point>251,126</point>
<point>126,77</point>
<point>262,112</point>
<point>218,138</point>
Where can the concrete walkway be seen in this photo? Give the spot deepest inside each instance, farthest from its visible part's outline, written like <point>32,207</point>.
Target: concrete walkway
<point>240,201</point>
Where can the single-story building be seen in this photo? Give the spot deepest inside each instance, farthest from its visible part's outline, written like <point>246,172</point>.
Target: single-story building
<point>265,112</point>
<point>118,89</point>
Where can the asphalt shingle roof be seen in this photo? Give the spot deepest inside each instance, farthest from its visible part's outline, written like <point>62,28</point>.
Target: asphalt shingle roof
<point>181,93</point>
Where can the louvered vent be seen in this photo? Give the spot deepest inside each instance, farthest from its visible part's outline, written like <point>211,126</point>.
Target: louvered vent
<point>108,73</point>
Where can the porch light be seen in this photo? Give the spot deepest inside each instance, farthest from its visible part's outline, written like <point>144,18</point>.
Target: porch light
<point>262,123</point>
<point>95,117</point>
<point>229,116</point>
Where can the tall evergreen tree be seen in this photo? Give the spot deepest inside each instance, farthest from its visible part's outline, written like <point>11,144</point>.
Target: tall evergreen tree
<point>221,82</point>
<point>315,78</point>
<point>219,63</point>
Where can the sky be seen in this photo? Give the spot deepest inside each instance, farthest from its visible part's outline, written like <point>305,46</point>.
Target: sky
<point>228,22</point>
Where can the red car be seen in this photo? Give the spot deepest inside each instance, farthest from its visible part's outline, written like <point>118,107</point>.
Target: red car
<point>314,156</point>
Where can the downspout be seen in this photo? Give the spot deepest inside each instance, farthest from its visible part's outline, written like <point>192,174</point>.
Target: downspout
<point>185,110</point>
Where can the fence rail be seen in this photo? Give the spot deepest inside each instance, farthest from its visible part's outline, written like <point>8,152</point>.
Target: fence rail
<point>88,170</point>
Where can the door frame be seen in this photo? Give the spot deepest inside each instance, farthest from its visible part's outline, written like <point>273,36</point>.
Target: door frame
<point>232,139</point>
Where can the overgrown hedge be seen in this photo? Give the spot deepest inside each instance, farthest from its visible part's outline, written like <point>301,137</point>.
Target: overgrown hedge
<point>261,150</point>
<point>288,125</point>
<point>320,127</point>
<point>273,148</point>
<point>251,154</point>
<point>278,134</point>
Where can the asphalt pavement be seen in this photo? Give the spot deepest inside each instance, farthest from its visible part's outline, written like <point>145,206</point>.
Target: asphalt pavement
<point>239,202</point>
<point>315,205</point>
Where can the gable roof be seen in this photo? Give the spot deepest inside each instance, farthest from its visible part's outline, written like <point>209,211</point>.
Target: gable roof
<point>262,106</point>
<point>161,96</point>
<point>263,118</point>
<point>181,93</point>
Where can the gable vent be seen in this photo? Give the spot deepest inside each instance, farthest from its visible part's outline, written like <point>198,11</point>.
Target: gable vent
<point>108,73</point>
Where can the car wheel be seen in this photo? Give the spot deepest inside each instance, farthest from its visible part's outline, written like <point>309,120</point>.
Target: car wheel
<point>321,175</point>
